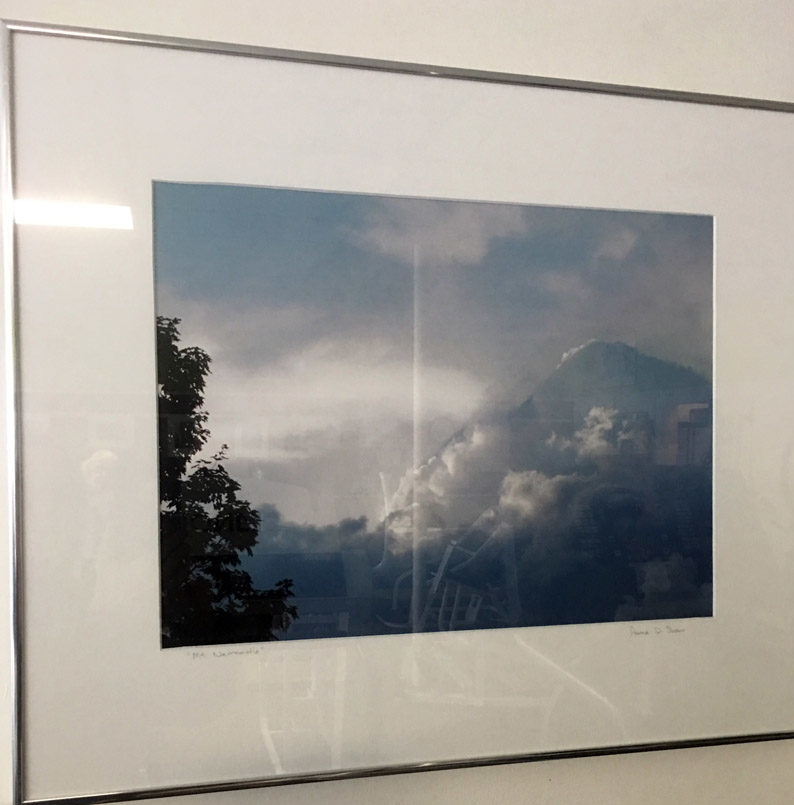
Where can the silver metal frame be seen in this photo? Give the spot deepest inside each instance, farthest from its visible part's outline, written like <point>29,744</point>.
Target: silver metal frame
<point>13,362</point>
<point>384,65</point>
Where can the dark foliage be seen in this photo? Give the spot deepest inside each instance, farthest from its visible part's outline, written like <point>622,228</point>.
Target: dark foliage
<point>206,598</point>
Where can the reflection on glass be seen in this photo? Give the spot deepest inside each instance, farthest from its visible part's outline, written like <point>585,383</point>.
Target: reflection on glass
<point>385,415</point>
<point>72,214</point>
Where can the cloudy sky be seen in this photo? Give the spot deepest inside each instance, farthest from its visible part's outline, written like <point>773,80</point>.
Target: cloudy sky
<point>335,322</point>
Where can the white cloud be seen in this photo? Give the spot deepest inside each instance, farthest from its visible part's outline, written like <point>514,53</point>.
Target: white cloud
<point>327,386</point>
<point>232,330</point>
<point>571,352</point>
<point>457,486</point>
<point>617,244</point>
<point>529,495</point>
<point>592,439</point>
<point>442,234</point>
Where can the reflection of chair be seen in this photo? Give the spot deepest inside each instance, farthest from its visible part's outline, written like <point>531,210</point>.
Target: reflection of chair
<point>467,589</point>
<point>475,588</point>
<point>459,604</point>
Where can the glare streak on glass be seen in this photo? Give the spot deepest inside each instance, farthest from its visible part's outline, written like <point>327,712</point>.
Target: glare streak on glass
<point>72,214</point>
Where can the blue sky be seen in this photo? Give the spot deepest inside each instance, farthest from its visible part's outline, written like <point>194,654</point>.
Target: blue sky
<point>314,307</point>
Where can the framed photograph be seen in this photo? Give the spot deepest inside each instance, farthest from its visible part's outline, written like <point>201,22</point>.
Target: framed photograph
<point>376,417</point>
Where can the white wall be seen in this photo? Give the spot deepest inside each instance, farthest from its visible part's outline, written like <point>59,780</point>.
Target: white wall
<point>737,47</point>
<point>732,47</point>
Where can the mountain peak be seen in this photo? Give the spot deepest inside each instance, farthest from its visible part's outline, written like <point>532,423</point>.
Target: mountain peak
<point>597,366</point>
<point>596,347</point>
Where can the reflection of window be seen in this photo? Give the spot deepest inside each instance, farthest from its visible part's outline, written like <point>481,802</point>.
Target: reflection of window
<point>693,433</point>
<point>332,590</point>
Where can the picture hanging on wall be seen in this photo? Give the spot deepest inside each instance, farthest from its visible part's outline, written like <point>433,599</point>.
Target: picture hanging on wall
<point>383,415</point>
<point>371,418</point>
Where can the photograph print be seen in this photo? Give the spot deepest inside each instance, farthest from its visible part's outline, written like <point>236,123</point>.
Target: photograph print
<point>382,415</point>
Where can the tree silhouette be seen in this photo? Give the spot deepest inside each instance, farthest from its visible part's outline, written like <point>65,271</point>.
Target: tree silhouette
<point>206,598</point>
